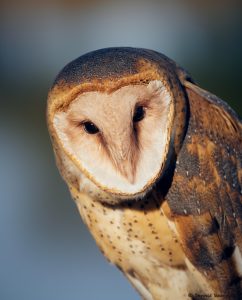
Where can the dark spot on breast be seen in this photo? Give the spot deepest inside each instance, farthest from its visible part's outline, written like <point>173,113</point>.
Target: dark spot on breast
<point>131,273</point>
<point>118,266</point>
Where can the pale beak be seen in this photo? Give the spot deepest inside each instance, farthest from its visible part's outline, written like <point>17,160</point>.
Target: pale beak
<point>124,157</point>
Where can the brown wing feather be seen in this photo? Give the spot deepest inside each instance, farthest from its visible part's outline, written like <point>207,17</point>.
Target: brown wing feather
<point>205,196</point>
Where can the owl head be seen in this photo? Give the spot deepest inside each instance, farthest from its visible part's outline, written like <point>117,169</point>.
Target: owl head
<point>116,117</point>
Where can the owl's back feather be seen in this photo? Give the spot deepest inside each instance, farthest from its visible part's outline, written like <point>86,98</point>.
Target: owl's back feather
<point>205,195</point>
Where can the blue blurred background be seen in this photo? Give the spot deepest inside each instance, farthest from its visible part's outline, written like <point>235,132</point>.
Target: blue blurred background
<point>46,252</point>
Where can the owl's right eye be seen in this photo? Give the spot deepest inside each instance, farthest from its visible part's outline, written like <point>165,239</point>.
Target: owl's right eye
<point>139,114</point>
<point>90,128</point>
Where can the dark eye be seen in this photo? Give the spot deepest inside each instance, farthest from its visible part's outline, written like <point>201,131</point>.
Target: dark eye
<point>139,114</point>
<point>90,128</point>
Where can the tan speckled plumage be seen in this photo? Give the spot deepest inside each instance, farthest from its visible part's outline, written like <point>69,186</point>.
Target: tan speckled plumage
<point>176,232</point>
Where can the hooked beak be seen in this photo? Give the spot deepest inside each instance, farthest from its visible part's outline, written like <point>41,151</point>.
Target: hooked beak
<point>124,157</point>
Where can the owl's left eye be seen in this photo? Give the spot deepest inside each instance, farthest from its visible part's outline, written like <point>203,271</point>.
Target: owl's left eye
<point>90,128</point>
<point>139,114</point>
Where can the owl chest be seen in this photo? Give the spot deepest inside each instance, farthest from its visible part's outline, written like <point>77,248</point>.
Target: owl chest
<point>138,241</point>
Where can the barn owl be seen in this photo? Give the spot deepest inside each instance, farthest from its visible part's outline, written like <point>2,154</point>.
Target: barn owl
<point>153,163</point>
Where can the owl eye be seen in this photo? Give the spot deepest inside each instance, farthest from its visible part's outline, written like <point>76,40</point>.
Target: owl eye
<point>139,114</point>
<point>90,128</point>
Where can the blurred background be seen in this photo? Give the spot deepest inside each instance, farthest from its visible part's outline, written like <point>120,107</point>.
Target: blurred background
<point>45,250</point>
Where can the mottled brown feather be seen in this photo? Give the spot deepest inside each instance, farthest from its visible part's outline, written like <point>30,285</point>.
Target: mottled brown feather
<point>205,195</point>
